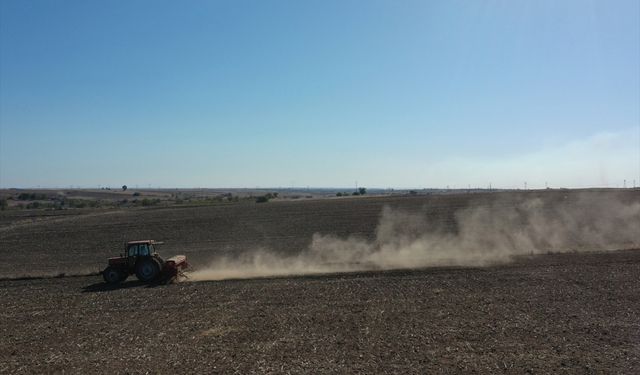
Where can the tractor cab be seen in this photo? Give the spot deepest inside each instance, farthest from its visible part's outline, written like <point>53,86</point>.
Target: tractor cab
<point>135,250</point>
<point>141,248</point>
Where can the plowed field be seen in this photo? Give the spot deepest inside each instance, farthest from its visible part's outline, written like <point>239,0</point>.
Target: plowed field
<point>569,313</point>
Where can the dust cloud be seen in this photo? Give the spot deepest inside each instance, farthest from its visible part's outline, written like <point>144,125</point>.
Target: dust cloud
<point>477,236</point>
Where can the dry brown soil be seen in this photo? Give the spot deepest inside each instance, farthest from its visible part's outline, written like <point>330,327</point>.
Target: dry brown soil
<point>564,313</point>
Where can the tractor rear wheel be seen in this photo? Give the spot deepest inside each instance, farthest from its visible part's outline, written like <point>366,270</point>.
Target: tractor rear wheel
<point>113,275</point>
<point>148,270</point>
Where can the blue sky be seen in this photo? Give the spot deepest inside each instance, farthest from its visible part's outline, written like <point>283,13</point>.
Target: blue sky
<point>319,93</point>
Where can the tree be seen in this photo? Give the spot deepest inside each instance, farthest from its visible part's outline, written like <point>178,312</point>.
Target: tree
<point>362,191</point>
<point>124,187</point>
<point>262,199</point>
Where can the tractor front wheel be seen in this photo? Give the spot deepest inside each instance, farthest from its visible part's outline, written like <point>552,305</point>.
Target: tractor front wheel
<point>148,270</point>
<point>113,275</point>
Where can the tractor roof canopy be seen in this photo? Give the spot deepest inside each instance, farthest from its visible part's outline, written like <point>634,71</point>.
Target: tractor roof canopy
<point>148,242</point>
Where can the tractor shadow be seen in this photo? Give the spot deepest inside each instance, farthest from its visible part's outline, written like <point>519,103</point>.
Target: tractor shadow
<point>104,287</point>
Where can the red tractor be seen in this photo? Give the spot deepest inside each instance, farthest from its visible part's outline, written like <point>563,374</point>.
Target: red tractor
<point>140,258</point>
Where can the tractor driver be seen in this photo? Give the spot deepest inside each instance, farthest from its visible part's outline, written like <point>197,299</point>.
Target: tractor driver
<point>143,249</point>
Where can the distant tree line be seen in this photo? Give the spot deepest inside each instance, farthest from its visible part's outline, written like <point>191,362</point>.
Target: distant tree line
<point>32,197</point>
<point>360,191</point>
<point>265,198</point>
